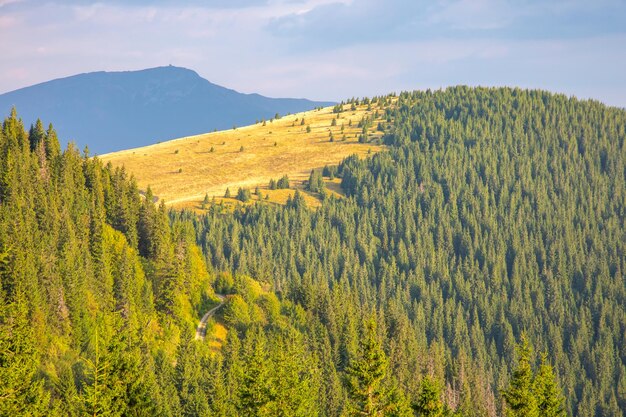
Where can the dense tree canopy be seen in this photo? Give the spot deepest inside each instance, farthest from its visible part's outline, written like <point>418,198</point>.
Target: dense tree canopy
<point>494,213</point>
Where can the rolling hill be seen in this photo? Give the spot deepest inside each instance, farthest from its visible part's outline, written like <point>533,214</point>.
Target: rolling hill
<point>182,171</point>
<point>110,111</point>
<point>478,259</point>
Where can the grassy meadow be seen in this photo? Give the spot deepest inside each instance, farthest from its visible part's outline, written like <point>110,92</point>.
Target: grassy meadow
<point>182,171</point>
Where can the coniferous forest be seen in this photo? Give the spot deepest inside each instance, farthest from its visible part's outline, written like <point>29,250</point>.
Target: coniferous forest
<point>474,268</point>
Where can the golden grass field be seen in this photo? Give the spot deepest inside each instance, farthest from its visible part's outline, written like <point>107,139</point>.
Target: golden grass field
<point>182,171</point>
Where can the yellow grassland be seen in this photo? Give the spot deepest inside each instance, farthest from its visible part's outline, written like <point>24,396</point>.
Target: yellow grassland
<point>182,171</point>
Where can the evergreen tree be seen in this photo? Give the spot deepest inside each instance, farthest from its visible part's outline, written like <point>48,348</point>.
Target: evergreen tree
<point>283,182</point>
<point>69,400</point>
<point>428,403</point>
<point>257,390</point>
<point>36,135</point>
<point>316,182</point>
<point>294,381</point>
<point>520,397</point>
<point>53,148</point>
<point>243,195</point>
<point>191,381</point>
<point>205,201</point>
<point>297,201</point>
<point>549,396</point>
<point>365,376</point>
<point>22,390</point>
<point>102,394</point>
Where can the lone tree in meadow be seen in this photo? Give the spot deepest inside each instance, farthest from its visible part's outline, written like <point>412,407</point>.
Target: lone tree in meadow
<point>283,182</point>
<point>243,195</point>
<point>205,201</point>
<point>316,182</point>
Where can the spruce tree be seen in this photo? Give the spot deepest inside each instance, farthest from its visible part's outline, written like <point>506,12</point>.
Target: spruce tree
<point>549,396</point>
<point>205,201</point>
<point>256,390</point>
<point>53,148</point>
<point>365,376</point>
<point>520,397</point>
<point>21,389</point>
<point>36,135</point>
<point>428,403</point>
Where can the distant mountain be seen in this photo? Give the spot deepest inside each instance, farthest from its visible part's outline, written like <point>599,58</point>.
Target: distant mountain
<point>109,111</point>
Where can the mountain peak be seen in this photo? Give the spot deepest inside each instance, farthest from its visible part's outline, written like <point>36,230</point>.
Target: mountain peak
<point>121,109</point>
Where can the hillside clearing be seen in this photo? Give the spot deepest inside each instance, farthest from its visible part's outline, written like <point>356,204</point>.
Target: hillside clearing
<point>182,171</point>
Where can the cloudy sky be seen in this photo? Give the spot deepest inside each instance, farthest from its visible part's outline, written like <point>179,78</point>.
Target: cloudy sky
<point>326,49</point>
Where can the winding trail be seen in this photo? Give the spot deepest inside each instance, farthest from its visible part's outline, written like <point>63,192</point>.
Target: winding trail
<point>201,329</point>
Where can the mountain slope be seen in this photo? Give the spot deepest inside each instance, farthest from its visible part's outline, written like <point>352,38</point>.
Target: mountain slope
<point>182,171</point>
<point>117,110</point>
<point>493,216</point>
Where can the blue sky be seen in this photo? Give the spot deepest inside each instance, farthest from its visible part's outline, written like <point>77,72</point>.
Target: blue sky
<point>326,49</point>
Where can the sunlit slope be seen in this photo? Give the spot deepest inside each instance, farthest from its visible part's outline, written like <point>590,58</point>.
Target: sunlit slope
<point>182,171</point>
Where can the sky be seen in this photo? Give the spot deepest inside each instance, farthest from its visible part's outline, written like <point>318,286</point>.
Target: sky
<point>326,49</point>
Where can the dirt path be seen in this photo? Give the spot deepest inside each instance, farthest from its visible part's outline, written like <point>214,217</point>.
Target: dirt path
<point>201,329</point>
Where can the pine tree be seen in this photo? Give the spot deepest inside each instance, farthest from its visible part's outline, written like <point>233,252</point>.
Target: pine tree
<point>283,182</point>
<point>100,392</point>
<point>365,376</point>
<point>191,380</point>
<point>243,195</point>
<point>256,390</point>
<point>520,397</point>
<point>21,390</point>
<point>205,201</point>
<point>293,383</point>
<point>549,396</point>
<point>316,182</point>
<point>428,403</point>
<point>217,393</point>
<point>36,135</point>
<point>297,201</point>
<point>69,401</point>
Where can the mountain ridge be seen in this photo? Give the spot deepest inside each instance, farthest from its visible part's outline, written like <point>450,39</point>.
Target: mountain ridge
<point>117,110</point>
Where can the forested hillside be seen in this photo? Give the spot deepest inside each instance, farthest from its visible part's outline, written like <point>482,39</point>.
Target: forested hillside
<point>497,212</point>
<point>495,220</point>
<point>99,290</point>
